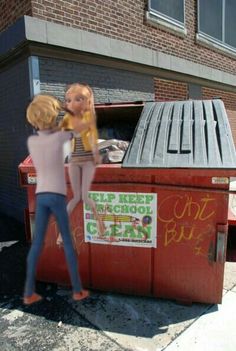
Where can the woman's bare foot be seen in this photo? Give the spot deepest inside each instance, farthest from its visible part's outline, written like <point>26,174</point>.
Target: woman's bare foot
<point>80,295</point>
<point>29,300</point>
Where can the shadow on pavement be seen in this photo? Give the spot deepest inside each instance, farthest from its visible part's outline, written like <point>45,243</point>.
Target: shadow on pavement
<point>13,252</point>
<point>122,314</point>
<point>11,229</point>
<point>116,313</point>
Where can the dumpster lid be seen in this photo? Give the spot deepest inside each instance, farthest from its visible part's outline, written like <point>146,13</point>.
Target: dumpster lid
<point>182,134</point>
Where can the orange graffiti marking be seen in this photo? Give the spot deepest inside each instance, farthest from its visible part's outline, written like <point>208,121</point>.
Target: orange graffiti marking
<point>174,235</point>
<point>176,207</point>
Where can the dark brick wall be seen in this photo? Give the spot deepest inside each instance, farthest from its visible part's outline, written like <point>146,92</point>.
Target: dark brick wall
<point>14,97</point>
<point>109,85</point>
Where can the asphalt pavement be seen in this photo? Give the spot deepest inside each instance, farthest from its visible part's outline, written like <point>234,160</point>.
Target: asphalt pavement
<point>105,321</point>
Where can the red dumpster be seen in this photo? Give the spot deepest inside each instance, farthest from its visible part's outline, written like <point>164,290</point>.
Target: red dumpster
<point>165,207</point>
<point>231,243</point>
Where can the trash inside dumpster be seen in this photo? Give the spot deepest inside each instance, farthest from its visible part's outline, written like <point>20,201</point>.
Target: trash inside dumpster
<point>164,206</point>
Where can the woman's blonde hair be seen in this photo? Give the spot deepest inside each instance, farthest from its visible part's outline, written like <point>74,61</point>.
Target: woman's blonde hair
<point>43,111</point>
<point>85,91</point>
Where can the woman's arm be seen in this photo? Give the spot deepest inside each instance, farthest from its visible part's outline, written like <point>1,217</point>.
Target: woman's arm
<point>96,155</point>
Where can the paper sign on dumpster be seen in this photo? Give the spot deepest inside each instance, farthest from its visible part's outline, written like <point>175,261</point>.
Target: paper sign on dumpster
<point>129,218</point>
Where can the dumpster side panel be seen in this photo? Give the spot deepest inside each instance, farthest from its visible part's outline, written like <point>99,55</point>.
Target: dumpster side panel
<point>31,198</point>
<point>121,268</point>
<point>186,265</point>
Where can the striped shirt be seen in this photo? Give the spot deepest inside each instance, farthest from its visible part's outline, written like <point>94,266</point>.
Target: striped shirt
<point>79,155</point>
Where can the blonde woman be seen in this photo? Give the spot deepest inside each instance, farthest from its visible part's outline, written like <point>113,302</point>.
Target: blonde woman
<point>79,102</point>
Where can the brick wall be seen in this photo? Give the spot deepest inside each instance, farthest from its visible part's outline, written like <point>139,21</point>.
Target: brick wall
<point>168,90</point>
<point>232,120</point>
<point>109,85</point>
<point>14,97</point>
<point>124,20</point>
<point>173,90</point>
<point>228,98</point>
<point>11,10</point>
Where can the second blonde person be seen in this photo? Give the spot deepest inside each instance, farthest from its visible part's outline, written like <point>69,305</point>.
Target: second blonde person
<point>79,102</point>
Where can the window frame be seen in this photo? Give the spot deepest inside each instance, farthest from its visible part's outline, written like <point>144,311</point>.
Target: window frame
<point>208,40</point>
<point>165,22</point>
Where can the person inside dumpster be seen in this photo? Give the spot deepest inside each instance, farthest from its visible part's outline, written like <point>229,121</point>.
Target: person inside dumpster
<point>79,102</point>
<point>46,150</point>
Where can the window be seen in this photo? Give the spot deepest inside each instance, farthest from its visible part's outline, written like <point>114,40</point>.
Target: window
<point>169,13</point>
<point>216,21</point>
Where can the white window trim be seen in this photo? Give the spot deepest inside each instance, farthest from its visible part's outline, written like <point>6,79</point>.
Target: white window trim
<point>159,21</point>
<point>210,42</point>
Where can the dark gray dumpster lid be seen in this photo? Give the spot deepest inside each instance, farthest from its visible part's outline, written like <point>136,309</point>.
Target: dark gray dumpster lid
<point>182,134</point>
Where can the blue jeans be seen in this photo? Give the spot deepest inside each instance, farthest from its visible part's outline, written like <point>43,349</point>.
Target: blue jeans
<point>47,204</point>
